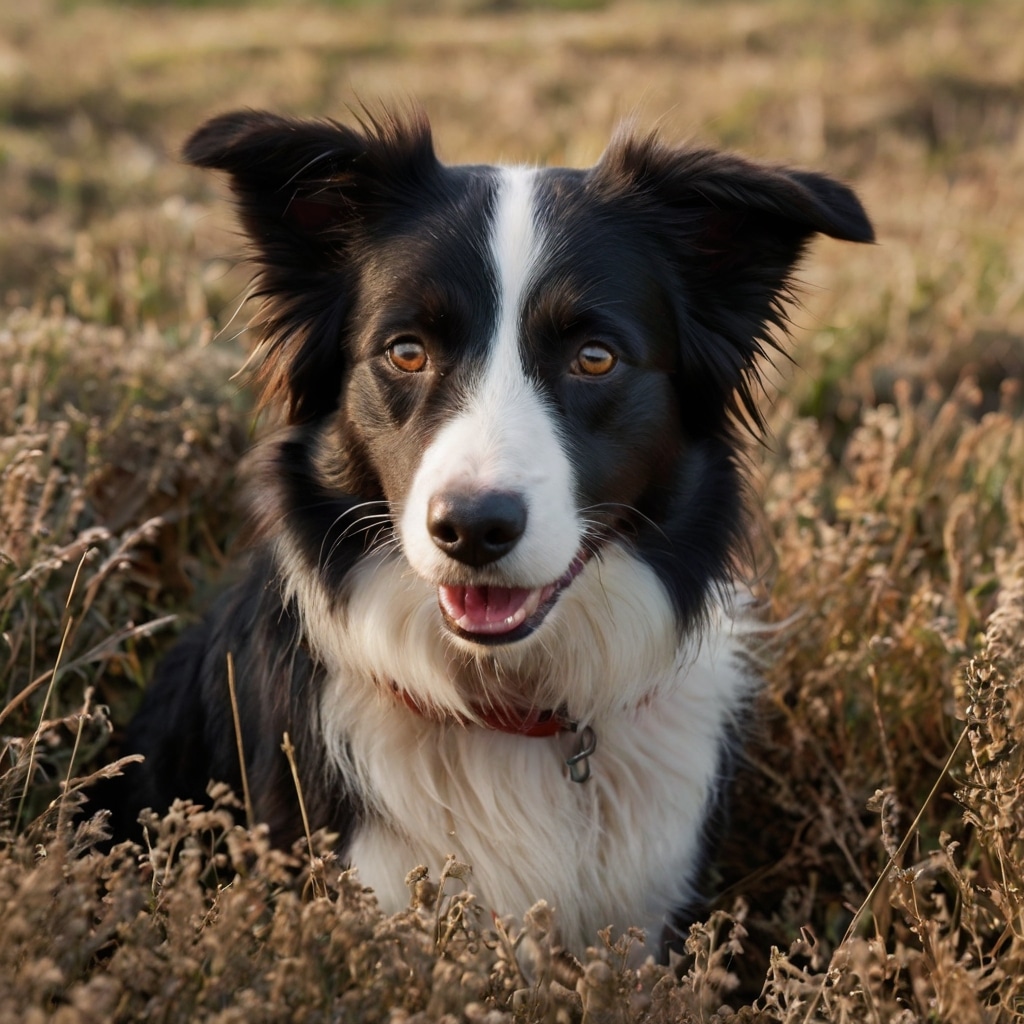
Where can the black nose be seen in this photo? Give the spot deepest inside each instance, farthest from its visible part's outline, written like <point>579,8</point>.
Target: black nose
<point>476,527</point>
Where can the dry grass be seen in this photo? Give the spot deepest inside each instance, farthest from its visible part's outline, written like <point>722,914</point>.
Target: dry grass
<point>875,868</point>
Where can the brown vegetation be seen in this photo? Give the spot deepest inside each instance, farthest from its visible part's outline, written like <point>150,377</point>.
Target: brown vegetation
<point>873,869</point>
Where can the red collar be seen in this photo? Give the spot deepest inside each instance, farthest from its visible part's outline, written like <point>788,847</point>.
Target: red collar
<point>519,723</point>
<point>531,722</point>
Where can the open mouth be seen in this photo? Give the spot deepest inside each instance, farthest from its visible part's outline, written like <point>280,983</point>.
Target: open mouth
<point>487,614</point>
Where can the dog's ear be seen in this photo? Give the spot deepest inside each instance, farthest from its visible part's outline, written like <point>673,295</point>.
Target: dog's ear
<point>733,232</point>
<point>307,192</point>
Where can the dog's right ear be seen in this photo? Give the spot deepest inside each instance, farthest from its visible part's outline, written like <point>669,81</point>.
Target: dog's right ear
<point>307,192</point>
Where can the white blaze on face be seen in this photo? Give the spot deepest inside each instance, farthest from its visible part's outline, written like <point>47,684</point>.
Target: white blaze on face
<point>504,438</point>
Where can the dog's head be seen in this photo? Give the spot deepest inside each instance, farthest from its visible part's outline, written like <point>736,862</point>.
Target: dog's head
<point>513,372</point>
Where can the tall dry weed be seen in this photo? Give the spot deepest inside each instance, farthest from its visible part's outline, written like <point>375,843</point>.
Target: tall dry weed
<point>105,442</point>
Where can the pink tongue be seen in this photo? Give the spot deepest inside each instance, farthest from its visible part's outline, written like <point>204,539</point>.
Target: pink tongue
<point>487,609</point>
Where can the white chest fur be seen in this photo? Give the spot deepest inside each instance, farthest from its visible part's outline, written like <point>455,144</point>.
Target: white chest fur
<point>620,849</point>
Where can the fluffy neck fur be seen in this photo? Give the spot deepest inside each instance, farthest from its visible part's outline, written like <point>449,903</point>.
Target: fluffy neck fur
<point>627,839</point>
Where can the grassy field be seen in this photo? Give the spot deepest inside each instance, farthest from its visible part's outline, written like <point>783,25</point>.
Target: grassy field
<point>873,865</point>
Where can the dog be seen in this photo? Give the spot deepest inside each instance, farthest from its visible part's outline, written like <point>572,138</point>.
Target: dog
<point>495,600</point>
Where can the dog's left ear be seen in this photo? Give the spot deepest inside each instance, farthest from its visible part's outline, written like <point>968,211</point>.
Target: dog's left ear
<point>733,232</point>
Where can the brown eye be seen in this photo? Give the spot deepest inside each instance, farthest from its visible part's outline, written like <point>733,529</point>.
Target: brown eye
<point>594,361</point>
<point>407,355</point>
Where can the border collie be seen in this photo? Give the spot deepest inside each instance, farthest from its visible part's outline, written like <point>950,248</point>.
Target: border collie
<point>494,598</point>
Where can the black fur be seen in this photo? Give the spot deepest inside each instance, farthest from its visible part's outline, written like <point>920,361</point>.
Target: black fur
<point>185,726</point>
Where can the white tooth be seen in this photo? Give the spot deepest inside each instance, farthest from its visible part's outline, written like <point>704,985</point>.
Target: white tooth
<point>525,610</point>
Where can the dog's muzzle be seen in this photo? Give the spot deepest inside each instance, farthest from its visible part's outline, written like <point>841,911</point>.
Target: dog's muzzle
<point>477,528</point>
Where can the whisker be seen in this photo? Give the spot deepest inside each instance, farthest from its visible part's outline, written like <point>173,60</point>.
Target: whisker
<point>351,510</point>
<point>595,532</point>
<point>632,509</point>
<point>359,527</point>
<point>383,524</point>
<point>309,506</point>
